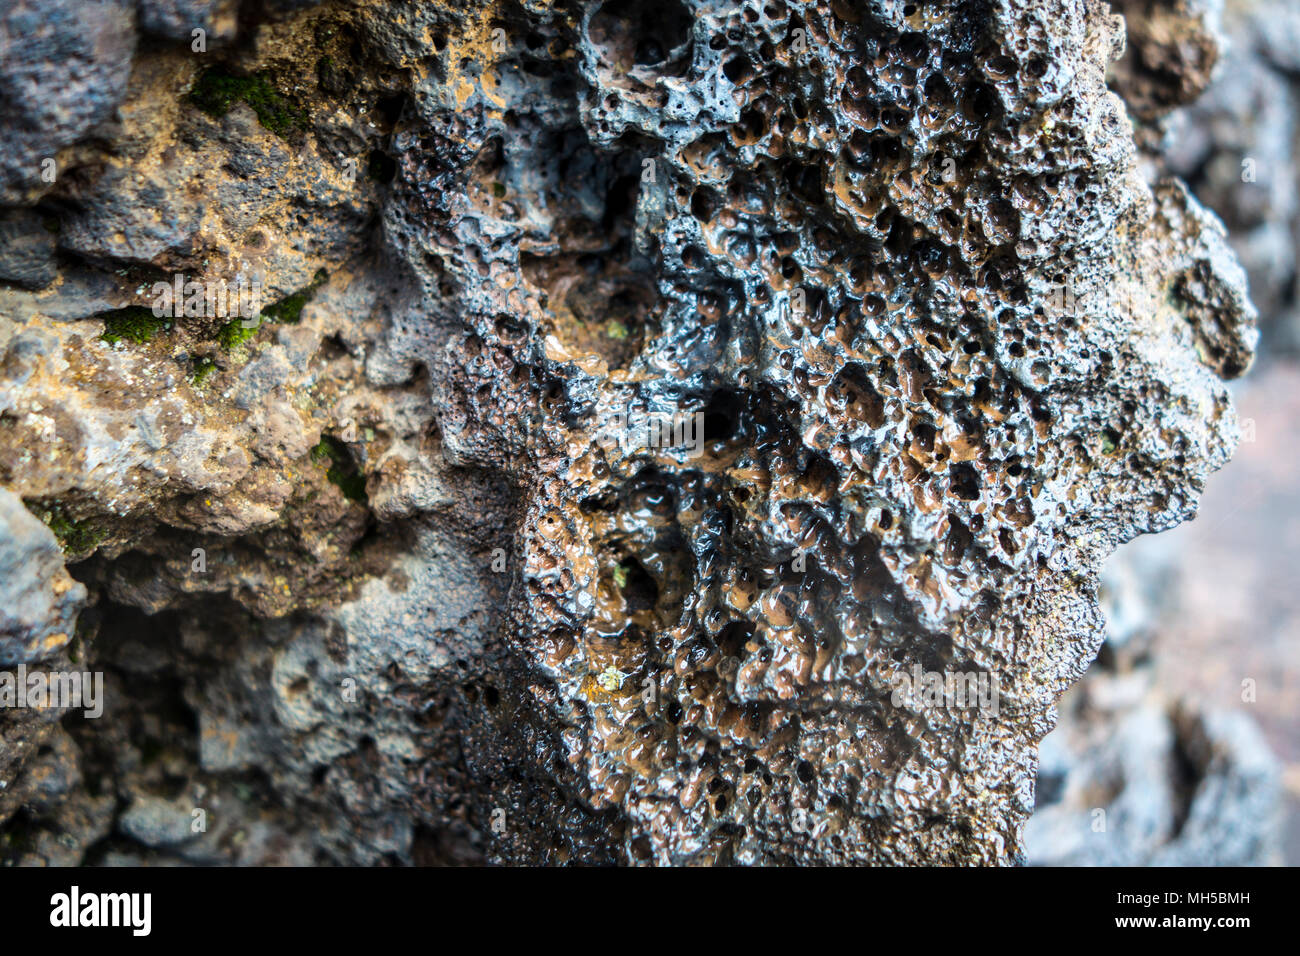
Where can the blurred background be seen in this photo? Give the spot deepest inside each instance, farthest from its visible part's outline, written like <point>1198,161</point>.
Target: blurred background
<point>1182,745</point>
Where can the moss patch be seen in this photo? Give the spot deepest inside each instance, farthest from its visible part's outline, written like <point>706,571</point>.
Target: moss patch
<point>380,166</point>
<point>289,309</point>
<point>217,90</point>
<point>135,323</point>
<point>17,841</point>
<point>76,538</point>
<point>202,369</point>
<point>234,333</point>
<point>342,472</point>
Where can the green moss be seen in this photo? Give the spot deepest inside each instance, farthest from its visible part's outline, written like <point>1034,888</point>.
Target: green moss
<point>1109,441</point>
<point>342,471</point>
<point>202,369</point>
<point>77,538</point>
<point>616,329</point>
<point>289,309</point>
<point>234,334</point>
<point>135,323</point>
<point>17,842</point>
<point>217,90</point>
<point>76,646</point>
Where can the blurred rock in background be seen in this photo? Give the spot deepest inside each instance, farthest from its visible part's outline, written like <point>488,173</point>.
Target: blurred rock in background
<point>1164,754</point>
<point>1236,148</point>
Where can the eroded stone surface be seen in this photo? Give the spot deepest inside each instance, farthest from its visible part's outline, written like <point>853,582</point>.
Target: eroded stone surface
<point>948,345</point>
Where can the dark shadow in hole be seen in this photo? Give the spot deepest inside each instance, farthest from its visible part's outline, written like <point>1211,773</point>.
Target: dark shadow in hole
<point>640,591</point>
<point>722,416</point>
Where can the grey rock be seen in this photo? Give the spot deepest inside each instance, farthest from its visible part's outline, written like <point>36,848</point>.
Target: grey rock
<point>157,822</point>
<point>26,250</point>
<point>64,66</point>
<point>467,602</point>
<point>39,601</point>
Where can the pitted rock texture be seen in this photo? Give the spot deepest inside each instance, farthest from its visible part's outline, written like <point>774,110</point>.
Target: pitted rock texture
<point>377,581</point>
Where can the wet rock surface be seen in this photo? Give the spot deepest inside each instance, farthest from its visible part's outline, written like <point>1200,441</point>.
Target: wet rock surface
<point>400,573</point>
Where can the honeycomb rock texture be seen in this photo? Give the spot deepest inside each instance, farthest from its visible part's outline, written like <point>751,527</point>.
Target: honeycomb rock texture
<point>376,580</point>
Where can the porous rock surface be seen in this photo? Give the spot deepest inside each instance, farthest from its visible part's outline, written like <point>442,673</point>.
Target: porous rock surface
<point>375,582</point>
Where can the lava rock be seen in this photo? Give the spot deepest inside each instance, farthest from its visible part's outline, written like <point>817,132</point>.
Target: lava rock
<point>653,406</point>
